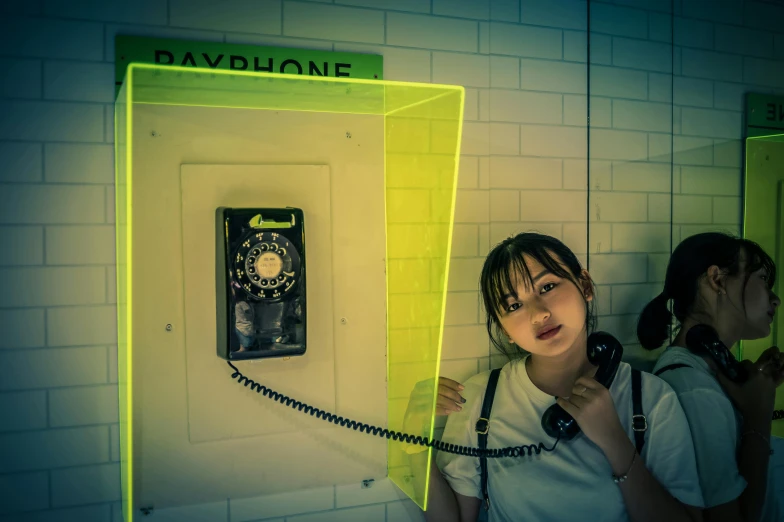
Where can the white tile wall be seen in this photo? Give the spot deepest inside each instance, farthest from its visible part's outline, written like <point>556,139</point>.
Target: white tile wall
<point>96,484</point>
<point>257,17</point>
<point>22,78</point>
<point>662,118</point>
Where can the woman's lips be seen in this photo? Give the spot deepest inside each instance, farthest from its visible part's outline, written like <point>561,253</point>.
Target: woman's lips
<point>549,334</point>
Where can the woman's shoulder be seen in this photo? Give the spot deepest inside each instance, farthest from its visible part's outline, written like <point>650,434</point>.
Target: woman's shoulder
<point>702,388</point>
<point>686,372</point>
<point>483,377</point>
<point>677,356</point>
<point>480,380</point>
<point>653,390</point>
<point>476,385</point>
<point>649,383</point>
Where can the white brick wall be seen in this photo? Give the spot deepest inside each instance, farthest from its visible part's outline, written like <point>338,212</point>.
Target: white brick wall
<point>677,88</point>
<point>666,101</point>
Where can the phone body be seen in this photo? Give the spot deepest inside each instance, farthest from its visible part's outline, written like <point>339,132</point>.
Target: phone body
<point>260,283</point>
<point>604,351</point>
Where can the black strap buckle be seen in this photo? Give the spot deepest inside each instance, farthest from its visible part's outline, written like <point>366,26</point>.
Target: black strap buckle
<point>639,423</point>
<point>483,426</point>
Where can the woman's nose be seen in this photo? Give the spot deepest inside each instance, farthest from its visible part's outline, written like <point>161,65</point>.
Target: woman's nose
<point>539,312</point>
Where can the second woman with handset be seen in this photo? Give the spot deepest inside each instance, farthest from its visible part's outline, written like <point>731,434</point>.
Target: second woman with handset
<point>721,292</point>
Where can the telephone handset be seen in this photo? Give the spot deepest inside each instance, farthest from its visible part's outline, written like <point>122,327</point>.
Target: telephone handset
<point>702,339</point>
<point>604,351</point>
<point>260,279</point>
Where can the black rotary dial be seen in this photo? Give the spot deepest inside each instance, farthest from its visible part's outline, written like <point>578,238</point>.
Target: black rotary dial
<point>267,265</point>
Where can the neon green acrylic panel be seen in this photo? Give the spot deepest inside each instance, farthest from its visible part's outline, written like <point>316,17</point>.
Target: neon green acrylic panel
<point>124,325</point>
<point>422,131</point>
<point>764,223</point>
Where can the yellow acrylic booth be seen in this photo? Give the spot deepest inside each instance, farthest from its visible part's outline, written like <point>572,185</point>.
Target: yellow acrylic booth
<point>372,166</point>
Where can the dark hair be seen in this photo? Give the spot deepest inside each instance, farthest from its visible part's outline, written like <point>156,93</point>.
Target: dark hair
<point>688,263</point>
<point>505,262</point>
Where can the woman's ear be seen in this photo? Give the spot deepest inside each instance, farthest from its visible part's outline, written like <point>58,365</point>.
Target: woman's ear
<point>716,279</point>
<point>586,285</point>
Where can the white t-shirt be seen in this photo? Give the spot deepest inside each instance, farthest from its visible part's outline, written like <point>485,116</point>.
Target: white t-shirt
<point>715,427</point>
<point>575,481</point>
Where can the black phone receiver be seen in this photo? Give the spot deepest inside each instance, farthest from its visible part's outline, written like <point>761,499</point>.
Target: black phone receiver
<point>703,339</point>
<point>604,351</point>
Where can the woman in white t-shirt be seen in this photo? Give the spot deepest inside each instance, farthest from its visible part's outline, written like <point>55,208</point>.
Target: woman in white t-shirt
<point>538,297</point>
<point>724,282</point>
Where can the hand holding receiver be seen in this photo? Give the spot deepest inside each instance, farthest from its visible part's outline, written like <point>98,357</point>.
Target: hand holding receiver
<point>593,409</point>
<point>604,351</point>
<point>754,398</point>
<point>772,363</point>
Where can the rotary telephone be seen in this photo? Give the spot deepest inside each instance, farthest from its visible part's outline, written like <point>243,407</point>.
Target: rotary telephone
<point>262,306</point>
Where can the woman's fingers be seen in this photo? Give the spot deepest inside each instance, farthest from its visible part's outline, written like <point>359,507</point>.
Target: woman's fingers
<point>570,408</point>
<point>449,383</point>
<point>581,389</point>
<point>425,401</point>
<point>450,389</point>
<point>448,398</point>
<point>768,358</point>
<point>578,401</point>
<point>446,406</point>
<point>451,395</point>
<point>588,383</point>
<point>770,353</point>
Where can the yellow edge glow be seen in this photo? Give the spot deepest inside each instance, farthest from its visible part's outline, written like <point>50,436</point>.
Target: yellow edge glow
<point>445,293</point>
<point>386,259</point>
<point>745,207</point>
<point>290,77</point>
<point>129,289</point>
<point>766,137</point>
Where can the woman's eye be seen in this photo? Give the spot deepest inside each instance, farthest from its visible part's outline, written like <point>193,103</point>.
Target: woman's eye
<point>546,288</point>
<point>512,307</point>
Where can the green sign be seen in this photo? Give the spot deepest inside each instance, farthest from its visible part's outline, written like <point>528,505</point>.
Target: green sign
<point>764,114</point>
<point>216,55</point>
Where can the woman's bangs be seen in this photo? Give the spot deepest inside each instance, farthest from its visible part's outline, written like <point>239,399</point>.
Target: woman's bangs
<point>510,268</point>
<point>504,277</point>
<point>763,261</point>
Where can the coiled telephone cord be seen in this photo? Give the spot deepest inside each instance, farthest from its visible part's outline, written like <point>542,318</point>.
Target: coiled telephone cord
<point>512,451</point>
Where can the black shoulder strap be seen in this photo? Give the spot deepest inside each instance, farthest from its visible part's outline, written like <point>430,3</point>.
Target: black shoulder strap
<point>483,426</point>
<point>671,367</point>
<point>639,422</point>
